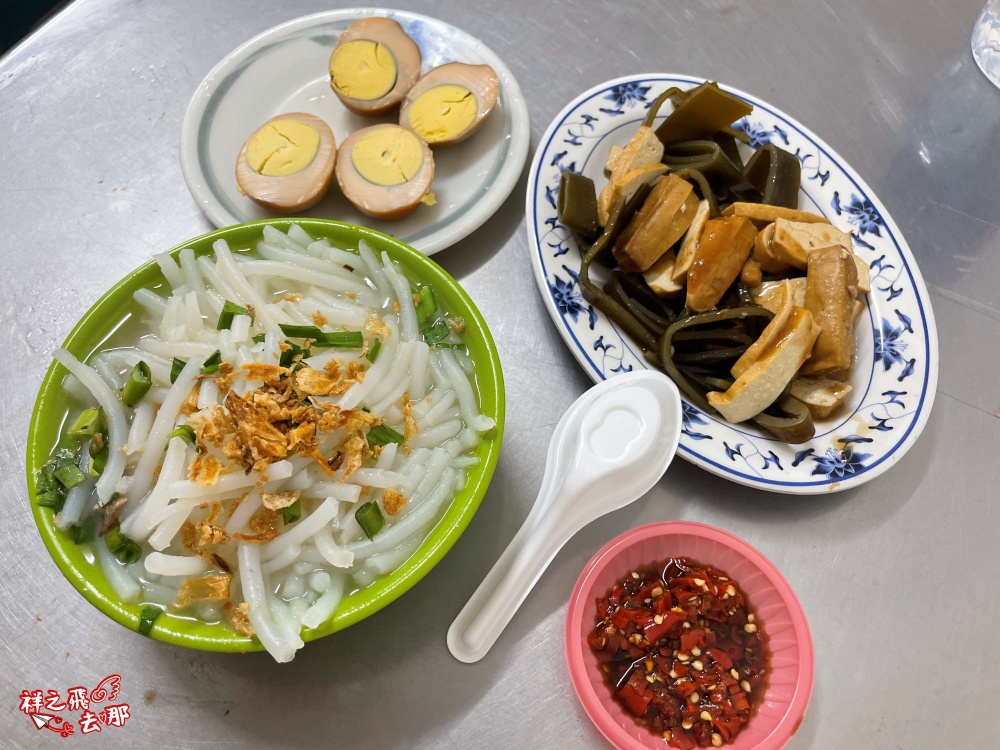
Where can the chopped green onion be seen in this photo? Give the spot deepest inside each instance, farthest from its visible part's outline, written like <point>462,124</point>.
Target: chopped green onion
<point>212,363</point>
<point>98,460</point>
<point>175,369</point>
<point>342,339</point>
<point>69,475</point>
<point>121,546</point>
<point>437,333</point>
<point>88,423</point>
<point>381,435</point>
<point>229,311</point>
<point>288,355</point>
<point>292,513</point>
<point>426,305</point>
<point>50,499</point>
<point>147,617</point>
<point>370,519</point>
<point>372,354</point>
<point>47,476</point>
<point>185,431</point>
<point>259,338</point>
<point>139,382</point>
<point>85,531</point>
<point>446,345</point>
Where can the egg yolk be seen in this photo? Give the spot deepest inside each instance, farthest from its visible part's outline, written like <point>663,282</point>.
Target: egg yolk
<point>363,69</point>
<point>442,112</point>
<point>282,148</point>
<point>388,156</point>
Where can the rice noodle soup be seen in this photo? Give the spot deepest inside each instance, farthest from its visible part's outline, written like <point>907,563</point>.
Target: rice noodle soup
<point>286,428</point>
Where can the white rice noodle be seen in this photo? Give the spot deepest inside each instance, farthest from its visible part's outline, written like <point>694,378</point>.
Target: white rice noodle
<point>393,416</point>
<point>357,392</point>
<point>324,280</point>
<point>387,457</point>
<point>283,560</point>
<point>435,418</point>
<point>108,372</point>
<point>436,466</point>
<point>299,236</point>
<point>142,477</point>
<point>180,349</point>
<point>325,606</point>
<point>115,414</point>
<point>377,478</point>
<point>332,552</point>
<point>318,247</point>
<point>138,524</point>
<point>125,586</point>
<point>463,390</point>
<point>436,435</point>
<point>234,275</point>
<point>174,565</point>
<point>271,249</point>
<point>385,562</point>
<point>397,377</point>
<point>221,285</point>
<point>170,269</point>
<point>255,594</point>
<point>77,390</point>
<point>192,277</point>
<point>414,523</point>
<point>157,593</point>
<point>208,393</point>
<point>151,302</point>
<point>244,511</point>
<point>76,502</point>
<point>419,370</point>
<point>375,272</point>
<point>336,315</point>
<point>159,368</point>
<point>408,328</point>
<point>142,422</point>
<point>464,462</point>
<point>156,394</point>
<point>345,493</point>
<point>286,622</point>
<point>301,531</point>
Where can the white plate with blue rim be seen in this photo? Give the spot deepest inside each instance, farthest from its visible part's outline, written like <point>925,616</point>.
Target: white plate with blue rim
<point>286,69</point>
<point>895,370</point>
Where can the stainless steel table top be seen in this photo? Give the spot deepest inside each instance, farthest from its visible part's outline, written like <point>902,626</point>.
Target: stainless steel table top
<point>898,578</point>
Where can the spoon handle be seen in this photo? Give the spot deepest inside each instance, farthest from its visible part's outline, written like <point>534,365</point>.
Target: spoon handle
<point>506,586</point>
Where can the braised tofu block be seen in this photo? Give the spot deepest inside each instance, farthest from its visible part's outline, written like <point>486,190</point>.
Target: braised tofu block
<point>723,249</point>
<point>660,276</point>
<point>664,217</point>
<point>764,252</point>
<point>632,163</point>
<point>689,245</point>
<point>770,294</point>
<point>761,214</point>
<point>794,240</point>
<point>822,395</point>
<point>831,289</point>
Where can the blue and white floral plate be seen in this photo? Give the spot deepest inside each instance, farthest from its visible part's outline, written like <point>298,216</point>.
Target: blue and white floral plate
<point>895,371</point>
<point>286,69</point>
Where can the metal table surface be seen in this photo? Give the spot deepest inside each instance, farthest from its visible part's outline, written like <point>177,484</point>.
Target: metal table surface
<point>898,578</point>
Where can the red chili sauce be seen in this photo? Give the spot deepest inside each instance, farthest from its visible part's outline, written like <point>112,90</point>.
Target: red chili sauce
<point>683,651</point>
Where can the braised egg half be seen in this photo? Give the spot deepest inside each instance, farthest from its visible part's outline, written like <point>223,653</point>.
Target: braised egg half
<point>450,103</point>
<point>373,65</point>
<point>287,163</point>
<point>385,171</point>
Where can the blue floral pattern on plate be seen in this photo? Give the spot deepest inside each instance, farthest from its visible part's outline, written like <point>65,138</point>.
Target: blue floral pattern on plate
<point>895,372</point>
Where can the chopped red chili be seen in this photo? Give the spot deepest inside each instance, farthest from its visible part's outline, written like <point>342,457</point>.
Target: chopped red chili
<point>683,651</point>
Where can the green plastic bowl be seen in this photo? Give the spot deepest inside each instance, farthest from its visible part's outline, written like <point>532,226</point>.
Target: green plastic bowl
<point>53,405</point>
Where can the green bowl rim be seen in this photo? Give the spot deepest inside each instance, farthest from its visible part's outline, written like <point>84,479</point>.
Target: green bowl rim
<point>443,535</point>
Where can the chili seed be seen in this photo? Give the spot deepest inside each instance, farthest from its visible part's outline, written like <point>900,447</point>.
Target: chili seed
<point>635,575</point>
<point>699,582</point>
<point>735,674</point>
<point>698,664</point>
<point>684,658</point>
<point>750,617</point>
<point>696,651</point>
<point>673,674</point>
<point>687,724</point>
<point>731,590</point>
<point>657,592</point>
<point>750,628</point>
<point>746,686</point>
<point>695,697</point>
<point>658,619</point>
<point>686,625</point>
<point>649,679</point>
<point>705,716</point>
<point>716,739</point>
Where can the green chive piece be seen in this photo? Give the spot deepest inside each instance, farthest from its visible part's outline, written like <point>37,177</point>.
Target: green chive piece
<point>229,311</point>
<point>88,423</point>
<point>50,499</point>
<point>147,617</point>
<point>85,531</point>
<point>175,369</point>
<point>259,338</point>
<point>98,461</point>
<point>342,339</point>
<point>373,349</point>
<point>370,519</point>
<point>212,363</point>
<point>121,546</point>
<point>47,481</point>
<point>426,305</point>
<point>139,382</point>
<point>292,513</point>
<point>69,475</point>
<point>437,333</point>
<point>185,431</point>
<point>288,356</point>
<point>381,435</point>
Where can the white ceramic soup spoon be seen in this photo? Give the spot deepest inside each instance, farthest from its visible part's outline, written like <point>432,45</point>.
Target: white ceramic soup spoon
<point>610,447</point>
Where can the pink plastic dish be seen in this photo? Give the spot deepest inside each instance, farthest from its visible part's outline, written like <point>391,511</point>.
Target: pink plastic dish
<point>784,622</point>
